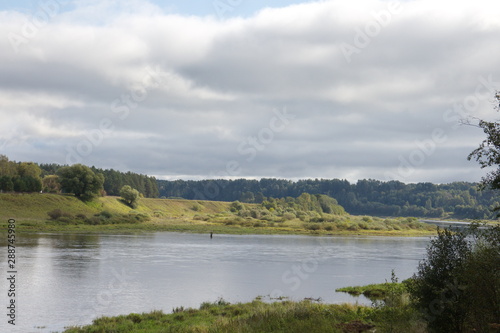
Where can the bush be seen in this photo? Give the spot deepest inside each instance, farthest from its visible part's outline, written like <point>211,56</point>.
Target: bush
<point>55,214</point>
<point>288,216</point>
<point>363,225</point>
<point>313,226</point>
<point>236,206</point>
<point>197,207</point>
<point>457,287</point>
<point>105,214</point>
<point>330,227</point>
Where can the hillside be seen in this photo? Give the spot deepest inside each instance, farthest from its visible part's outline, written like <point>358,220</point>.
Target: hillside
<point>309,215</point>
<point>35,206</point>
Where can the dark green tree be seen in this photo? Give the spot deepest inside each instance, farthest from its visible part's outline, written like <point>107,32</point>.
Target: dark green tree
<point>6,184</point>
<point>130,196</point>
<point>488,152</point>
<point>457,287</point>
<point>81,181</point>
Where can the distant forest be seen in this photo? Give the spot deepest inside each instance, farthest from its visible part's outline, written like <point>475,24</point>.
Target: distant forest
<point>366,197</point>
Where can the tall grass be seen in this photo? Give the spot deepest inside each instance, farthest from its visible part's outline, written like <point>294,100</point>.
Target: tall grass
<point>257,316</point>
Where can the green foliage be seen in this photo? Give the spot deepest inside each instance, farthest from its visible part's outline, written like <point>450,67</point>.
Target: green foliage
<point>236,206</point>
<point>50,184</point>
<point>130,196</point>
<point>257,316</point>
<point>312,205</point>
<point>462,269</point>
<point>114,180</point>
<point>103,218</point>
<point>197,207</point>
<point>19,177</point>
<point>366,197</point>
<point>29,169</point>
<point>6,184</point>
<point>81,181</point>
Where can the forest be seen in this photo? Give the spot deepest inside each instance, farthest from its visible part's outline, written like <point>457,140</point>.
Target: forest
<point>365,197</point>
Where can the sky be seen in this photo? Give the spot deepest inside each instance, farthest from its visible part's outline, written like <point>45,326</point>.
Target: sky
<point>250,89</point>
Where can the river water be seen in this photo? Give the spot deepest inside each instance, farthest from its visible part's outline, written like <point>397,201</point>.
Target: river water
<point>70,279</point>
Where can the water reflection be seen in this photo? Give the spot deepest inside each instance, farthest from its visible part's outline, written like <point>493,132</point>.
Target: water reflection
<point>71,279</point>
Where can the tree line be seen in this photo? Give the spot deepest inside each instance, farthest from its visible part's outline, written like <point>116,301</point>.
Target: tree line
<point>365,197</point>
<point>114,180</point>
<point>55,178</point>
<point>19,177</point>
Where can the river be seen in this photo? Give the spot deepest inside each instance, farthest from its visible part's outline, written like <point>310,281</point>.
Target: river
<point>70,279</point>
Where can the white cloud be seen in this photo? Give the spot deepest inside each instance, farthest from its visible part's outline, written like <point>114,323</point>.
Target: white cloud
<point>182,93</point>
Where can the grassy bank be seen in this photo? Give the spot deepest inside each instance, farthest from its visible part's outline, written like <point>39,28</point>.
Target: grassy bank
<point>257,316</point>
<point>375,292</point>
<point>109,214</point>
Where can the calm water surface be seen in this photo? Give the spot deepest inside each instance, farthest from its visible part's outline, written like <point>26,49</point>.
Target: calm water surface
<point>68,280</point>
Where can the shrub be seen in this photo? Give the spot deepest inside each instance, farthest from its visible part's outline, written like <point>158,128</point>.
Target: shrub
<point>457,286</point>
<point>236,206</point>
<point>256,214</point>
<point>353,227</point>
<point>197,207</point>
<point>55,214</point>
<point>363,225</point>
<point>330,227</point>
<point>313,226</point>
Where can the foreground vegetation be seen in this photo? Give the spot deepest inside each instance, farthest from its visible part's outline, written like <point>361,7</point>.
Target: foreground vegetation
<point>257,316</point>
<point>65,213</point>
<point>376,292</point>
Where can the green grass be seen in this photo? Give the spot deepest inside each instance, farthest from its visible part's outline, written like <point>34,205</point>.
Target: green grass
<point>374,291</point>
<point>257,316</point>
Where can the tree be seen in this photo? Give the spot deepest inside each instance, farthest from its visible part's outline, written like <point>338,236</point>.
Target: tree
<point>488,152</point>
<point>457,287</point>
<point>51,184</point>
<point>81,181</point>
<point>28,169</point>
<point>6,184</point>
<point>130,196</point>
<point>7,168</point>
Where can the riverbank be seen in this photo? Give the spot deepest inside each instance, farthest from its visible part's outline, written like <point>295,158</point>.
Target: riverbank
<point>258,316</point>
<point>60,213</point>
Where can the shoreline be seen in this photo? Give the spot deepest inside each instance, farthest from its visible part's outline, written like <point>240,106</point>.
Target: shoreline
<point>30,226</point>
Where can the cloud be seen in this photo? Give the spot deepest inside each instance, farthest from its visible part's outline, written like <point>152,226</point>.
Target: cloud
<point>132,86</point>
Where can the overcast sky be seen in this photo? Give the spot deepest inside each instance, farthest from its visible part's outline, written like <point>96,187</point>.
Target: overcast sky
<point>203,89</point>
